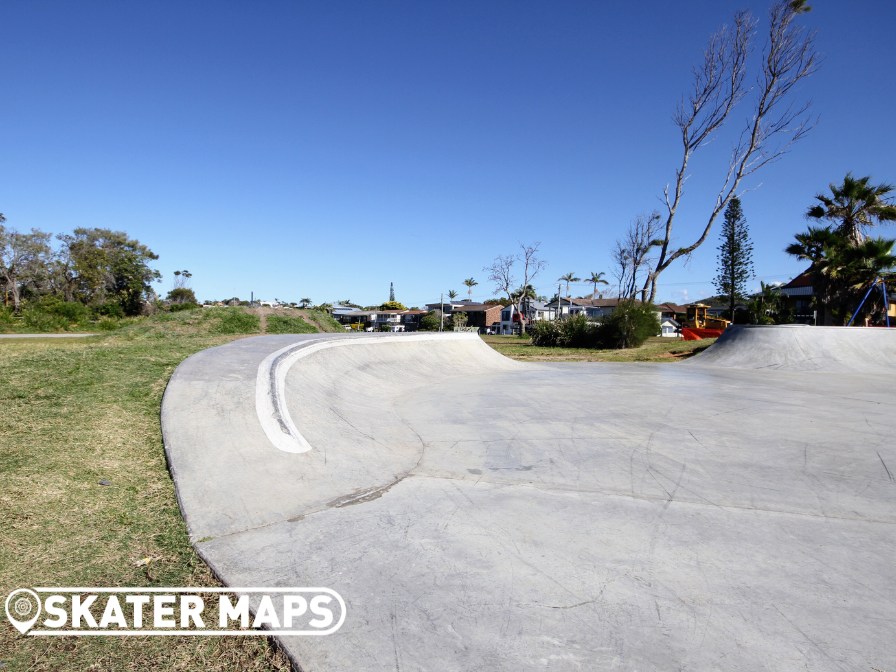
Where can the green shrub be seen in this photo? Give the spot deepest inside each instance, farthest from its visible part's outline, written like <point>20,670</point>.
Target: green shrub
<point>231,321</point>
<point>53,314</point>
<point>38,320</point>
<point>629,325</point>
<point>430,321</point>
<point>108,324</point>
<point>545,334</point>
<point>177,307</point>
<point>73,312</point>
<point>280,324</point>
<point>6,318</point>
<point>181,295</point>
<point>577,331</point>
<point>110,309</point>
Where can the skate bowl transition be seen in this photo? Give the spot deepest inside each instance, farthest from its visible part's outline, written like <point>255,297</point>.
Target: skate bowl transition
<point>736,511</point>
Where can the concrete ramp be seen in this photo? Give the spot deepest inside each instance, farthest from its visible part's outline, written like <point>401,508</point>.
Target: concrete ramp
<point>477,513</point>
<point>798,347</point>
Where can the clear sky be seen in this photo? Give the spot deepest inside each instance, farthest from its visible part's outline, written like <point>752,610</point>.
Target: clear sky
<point>323,149</point>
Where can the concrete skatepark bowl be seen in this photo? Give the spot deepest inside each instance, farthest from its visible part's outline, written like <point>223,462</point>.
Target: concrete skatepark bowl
<point>736,511</point>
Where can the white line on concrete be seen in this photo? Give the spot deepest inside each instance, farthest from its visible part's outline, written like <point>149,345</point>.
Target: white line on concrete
<point>270,383</point>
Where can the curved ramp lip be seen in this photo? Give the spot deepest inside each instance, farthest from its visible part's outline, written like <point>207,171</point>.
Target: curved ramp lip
<point>270,382</point>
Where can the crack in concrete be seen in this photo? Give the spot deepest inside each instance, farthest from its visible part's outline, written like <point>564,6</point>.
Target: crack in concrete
<point>889,475</point>
<point>366,495</point>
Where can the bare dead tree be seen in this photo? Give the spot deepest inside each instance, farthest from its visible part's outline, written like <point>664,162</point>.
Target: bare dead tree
<point>719,85</point>
<point>502,273</point>
<point>632,253</point>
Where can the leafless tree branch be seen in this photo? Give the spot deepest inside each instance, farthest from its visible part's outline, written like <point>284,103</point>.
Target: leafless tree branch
<point>774,126</point>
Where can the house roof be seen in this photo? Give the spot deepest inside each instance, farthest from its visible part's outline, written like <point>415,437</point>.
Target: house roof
<point>589,303</point>
<point>804,279</point>
<point>568,300</point>
<point>671,308</point>
<point>474,307</point>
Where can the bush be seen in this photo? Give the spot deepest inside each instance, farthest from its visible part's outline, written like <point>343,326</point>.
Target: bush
<point>6,318</point>
<point>109,309</point>
<point>232,321</point>
<point>578,331</point>
<point>108,324</point>
<point>573,332</point>
<point>53,314</point>
<point>280,324</point>
<point>545,334</point>
<point>430,321</point>
<point>181,295</point>
<point>40,321</point>
<point>71,311</point>
<point>629,325</point>
<point>177,307</point>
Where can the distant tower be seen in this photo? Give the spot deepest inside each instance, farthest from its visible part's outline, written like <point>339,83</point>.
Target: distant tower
<point>391,292</point>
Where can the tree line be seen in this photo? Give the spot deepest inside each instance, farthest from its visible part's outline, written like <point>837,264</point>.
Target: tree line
<point>105,270</point>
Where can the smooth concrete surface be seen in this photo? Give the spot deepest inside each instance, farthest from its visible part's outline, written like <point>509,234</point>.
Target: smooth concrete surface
<point>799,347</point>
<point>733,512</point>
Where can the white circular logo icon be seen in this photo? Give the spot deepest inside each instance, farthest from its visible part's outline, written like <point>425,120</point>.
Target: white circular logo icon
<point>23,608</point>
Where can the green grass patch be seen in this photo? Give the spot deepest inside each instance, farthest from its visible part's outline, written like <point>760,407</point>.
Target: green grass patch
<point>323,320</point>
<point>655,349</point>
<point>230,321</point>
<point>77,412</point>
<point>281,324</point>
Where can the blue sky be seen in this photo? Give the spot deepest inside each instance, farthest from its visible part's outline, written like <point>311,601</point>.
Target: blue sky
<point>326,149</point>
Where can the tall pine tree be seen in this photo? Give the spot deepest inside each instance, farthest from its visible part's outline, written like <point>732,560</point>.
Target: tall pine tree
<point>735,266</point>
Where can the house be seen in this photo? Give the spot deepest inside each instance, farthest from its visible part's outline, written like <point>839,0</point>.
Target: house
<point>479,315</point>
<point>592,308</point>
<point>568,306</point>
<point>670,327</point>
<point>410,319</point>
<point>671,310</point>
<point>338,309</point>
<point>534,311</point>
<point>373,320</point>
<point>669,314</point>
<point>380,320</point>
<point>446,306</point>
<point>800,293</point>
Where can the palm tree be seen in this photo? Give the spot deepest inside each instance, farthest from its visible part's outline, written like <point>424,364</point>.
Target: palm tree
<point>521,296</point>
<point>568,278</point>
<point>452,294</point>
<point>818,246</point>
<point>596,279</point>
<point>841,268</point>
<point>470,283</point>
<point>858,266</point>
<point>854,206</point>
<point>769,305</point>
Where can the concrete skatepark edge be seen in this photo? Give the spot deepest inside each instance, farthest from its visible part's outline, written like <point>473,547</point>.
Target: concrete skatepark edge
<point>735,511</point>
